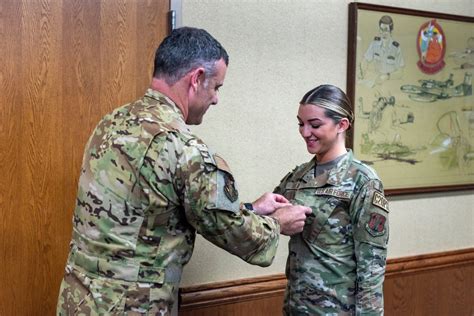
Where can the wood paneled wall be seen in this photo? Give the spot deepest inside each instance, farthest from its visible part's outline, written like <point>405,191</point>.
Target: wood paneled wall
<point>439,284</point>
<point>63,64</point>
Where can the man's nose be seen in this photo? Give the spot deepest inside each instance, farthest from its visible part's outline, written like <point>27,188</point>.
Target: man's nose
<point>215,100</point>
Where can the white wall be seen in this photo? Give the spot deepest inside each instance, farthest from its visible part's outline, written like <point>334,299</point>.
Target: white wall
<point>279,49</point>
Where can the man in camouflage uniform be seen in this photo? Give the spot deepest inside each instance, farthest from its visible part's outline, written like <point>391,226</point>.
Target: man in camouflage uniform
<point>148,184</point>
<point>336,266</point>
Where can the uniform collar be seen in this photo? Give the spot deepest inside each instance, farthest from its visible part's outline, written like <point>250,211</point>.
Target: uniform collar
<point>176,115</point>
<point>338,173</point>
<point>333,177</point>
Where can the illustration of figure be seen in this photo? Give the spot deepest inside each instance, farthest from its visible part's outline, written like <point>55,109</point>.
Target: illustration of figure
<point>384,53</point>
<point>431,45</point>
<point>384,114</point>
<point>383,138</point>
<point>376,115</point>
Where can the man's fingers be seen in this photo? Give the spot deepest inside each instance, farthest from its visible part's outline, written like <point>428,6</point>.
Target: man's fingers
<point>304,210</point>
<point>280,198</point>
<point>282,204</point>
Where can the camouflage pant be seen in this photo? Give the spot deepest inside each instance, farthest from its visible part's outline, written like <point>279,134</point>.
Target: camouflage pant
<point>81,294</point>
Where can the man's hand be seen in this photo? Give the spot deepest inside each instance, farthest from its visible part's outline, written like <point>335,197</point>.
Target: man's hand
<point>268,203</point>
<point>291,218</point>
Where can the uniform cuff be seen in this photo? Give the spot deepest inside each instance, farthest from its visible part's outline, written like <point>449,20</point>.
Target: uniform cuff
<point>248,207</point>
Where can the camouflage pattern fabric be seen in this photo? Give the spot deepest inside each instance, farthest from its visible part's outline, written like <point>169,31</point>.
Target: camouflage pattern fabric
<point>147,185</point>
<point>336,266</point>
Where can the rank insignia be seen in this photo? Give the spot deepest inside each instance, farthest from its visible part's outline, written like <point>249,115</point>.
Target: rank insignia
<point>380,201</point>
<point>229,188</point>
<point>376,225</point>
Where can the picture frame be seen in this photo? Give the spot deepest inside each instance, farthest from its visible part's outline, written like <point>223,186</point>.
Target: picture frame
<point>409,78</point>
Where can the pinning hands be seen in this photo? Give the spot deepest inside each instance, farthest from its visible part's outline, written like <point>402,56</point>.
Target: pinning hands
<point>268,203</point>
<point>291,218</point>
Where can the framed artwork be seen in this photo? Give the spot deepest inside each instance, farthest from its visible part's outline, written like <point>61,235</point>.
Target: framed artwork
<point>410,81</point>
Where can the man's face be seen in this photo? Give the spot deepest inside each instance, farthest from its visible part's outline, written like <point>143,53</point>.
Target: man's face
<point>206,94</point>
<point>384,30</point>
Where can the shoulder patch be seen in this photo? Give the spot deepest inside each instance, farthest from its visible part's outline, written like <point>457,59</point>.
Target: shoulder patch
<point>376,224</point>
<point>380,201</point>
<point>229,188</point>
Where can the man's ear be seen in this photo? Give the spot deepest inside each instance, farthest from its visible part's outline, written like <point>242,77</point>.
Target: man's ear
<point>197,77</point>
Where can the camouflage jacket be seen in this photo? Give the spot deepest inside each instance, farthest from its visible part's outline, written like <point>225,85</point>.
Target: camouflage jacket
<point>336,266</point>
<point>147,185</point>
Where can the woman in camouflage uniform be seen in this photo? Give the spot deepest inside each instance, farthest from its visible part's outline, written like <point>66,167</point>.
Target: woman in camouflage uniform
<point>336,266</point>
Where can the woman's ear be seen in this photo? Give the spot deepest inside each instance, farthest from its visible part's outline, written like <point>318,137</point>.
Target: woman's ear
<point>343,125</point>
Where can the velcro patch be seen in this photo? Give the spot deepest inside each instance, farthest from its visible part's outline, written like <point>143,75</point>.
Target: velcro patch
<point>380,201</point>
<point>376,224</point>
<point>221,163</point>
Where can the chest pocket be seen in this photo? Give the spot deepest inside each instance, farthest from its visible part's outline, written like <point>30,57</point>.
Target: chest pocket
<point>390,60</point>
<point>330,223</point>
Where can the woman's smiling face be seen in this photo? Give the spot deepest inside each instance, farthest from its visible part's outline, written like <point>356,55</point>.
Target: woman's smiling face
<point>318,131</point>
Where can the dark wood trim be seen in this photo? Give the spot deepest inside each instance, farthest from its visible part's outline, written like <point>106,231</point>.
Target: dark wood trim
<point>231,291</point>
<point>235,291</point>
<point>405,11</point>
<point>440,260</point>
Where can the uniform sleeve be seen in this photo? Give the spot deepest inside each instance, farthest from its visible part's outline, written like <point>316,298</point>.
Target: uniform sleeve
<point>371,232</point>
<point>211,202</point>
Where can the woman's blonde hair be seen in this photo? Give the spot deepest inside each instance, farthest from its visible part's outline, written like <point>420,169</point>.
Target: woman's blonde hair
<point>335,102</point>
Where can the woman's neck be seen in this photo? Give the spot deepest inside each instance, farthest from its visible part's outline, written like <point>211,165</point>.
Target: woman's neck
<point>330,156</point>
